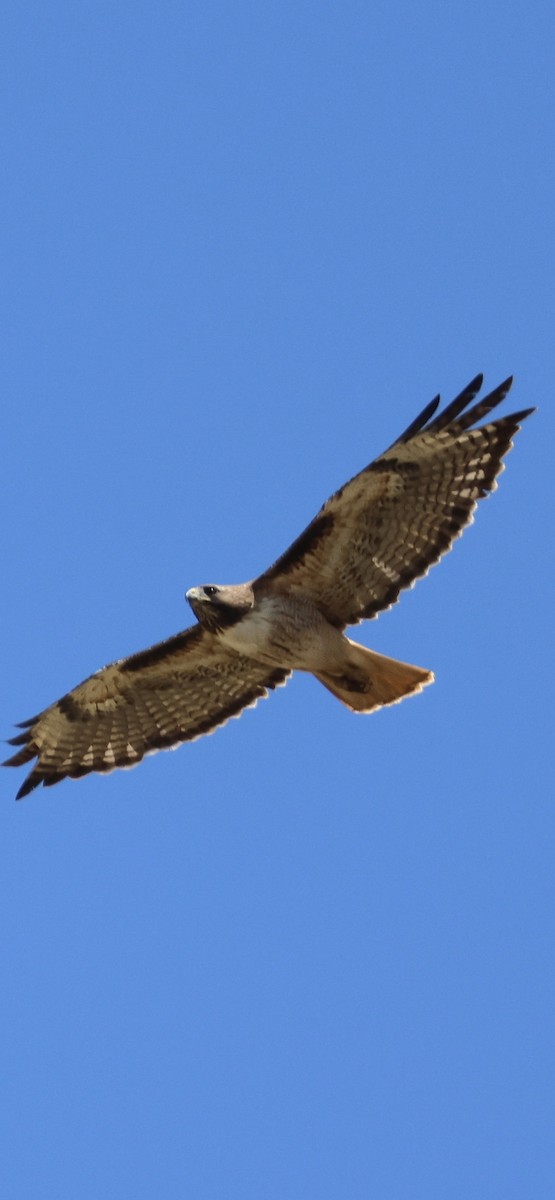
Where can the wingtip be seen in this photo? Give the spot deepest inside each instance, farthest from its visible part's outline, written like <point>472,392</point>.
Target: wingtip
<point>501,391</point>
<point>519,417</point>
<point>420,421</point>
<point>20,739</point>
<point>29,784</point>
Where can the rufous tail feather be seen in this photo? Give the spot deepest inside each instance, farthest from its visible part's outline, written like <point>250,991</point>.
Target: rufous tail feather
<point>372,680</point>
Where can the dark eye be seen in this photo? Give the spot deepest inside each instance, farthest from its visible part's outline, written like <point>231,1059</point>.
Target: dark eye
<point>210,591</point>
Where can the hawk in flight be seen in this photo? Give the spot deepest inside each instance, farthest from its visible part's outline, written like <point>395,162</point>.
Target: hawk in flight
<point>377,534</point>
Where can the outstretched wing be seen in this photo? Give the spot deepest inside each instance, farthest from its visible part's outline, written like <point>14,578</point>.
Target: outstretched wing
<point>388,525</point>
<point>178,690</point>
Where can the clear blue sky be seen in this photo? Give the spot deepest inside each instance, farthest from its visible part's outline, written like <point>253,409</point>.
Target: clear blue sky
<point>310,957</point>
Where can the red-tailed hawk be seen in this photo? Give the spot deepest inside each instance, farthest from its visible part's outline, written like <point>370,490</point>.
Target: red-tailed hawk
<point>374,537</point>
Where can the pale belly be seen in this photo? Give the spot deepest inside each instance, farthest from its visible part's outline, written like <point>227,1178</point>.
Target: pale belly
<point>286,631</point>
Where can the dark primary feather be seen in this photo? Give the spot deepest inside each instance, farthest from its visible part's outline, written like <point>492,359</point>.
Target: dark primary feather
<point>174,692</point>
<point>455,408</point>
<point>384,528</point>
<point>475,414</point>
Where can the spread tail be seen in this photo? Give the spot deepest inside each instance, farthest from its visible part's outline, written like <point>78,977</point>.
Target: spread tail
<point>372,680</point>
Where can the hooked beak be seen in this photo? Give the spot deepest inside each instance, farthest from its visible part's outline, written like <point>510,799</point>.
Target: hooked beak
<point>195,595</point>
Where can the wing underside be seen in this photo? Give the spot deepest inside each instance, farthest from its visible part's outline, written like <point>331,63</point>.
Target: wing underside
<point>389,524</point>
<point>174,692</point>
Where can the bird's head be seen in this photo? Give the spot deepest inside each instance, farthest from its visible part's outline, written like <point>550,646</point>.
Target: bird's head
<point>217,606</point>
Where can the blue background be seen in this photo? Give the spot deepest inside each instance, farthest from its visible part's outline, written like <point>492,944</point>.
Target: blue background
<point>242,245</point>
